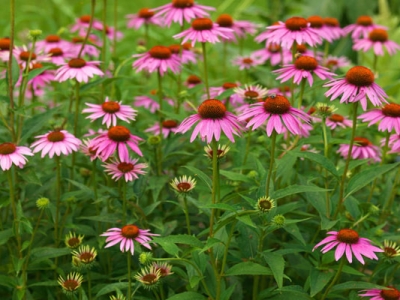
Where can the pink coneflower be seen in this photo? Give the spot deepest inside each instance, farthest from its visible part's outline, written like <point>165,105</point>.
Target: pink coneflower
<point>348,241</point>
<point>303,67</point>
<point>58,56</point>
<point>246,62</point>
<point>41,80</point>
<point>295,29</point>
<point>168,126</point>
<point>277,113</point>
<point>158,58</point>
<point>240,28</point>
<point>283,90</point>
<point>274,53</point>
<point>187,55</point>
<point>82,25</point>
<point>317,23</point>
<point>127,168</point>
<point>12,154</point>
<point>233,99</point>
<point>336,120</point>
<point>88,49</point>
<point>333,29</point>
<point>79,69</point>
<point>126,235</point>
<point>149,103</point>
<point>110,111</point>
<point>213,118</point>
<point>362,27</point>
<point>251,92</point>
<point>357,85</point>
<point>50,42</point>
<point>394,143</point>
<point>335,62</point>
<point>303,50</point>
<point>93,132</point>
<point>56,142</point>
<point>145,16</point>
<point>305,130</point>
<point>88,150</point>
<point>109,30</point>
<point>388,116</point>
<point>362,149</point>
<point>390,294</point>
<point>377,39</point>
<point>5,48</point>
<point>204,30</point>
<point>116,138</point>
<point>192,81</point>
<point>179,10</point>
<point>22,56</point>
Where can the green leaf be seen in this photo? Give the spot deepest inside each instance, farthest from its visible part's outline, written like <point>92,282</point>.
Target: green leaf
<point>107,218</point>
<point>168,247</point>
<point>210,243</point>
<point>15,71</point>
<point>319,159</point>
<point>156,184</point>
<point>35,72</point>
<point>181,239</point>
<point>248,268</point>
<point>187,296</point>
<point>45,283</point>
<point>246,219</point>
<point>294,230</point>
<point>47,252</point>
<point>201,175</point>
<point>221,206</point>
<point>7,281</point>
<point>319,279</point>
<point>365,177</point>
<point>295,189</point>
<point>276,263</point>
<point>31,177</point>
<point>5,235</point>
<point>225,94</point>
<point>235,176</point>
<point>359,285</point>
<point>112,288</point>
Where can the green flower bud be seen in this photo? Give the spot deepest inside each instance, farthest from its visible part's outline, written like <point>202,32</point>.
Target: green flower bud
<point>145,258</point>
<point>279,220</point>
<point>141,49</point>
<point>154,140</point>
<point>34,34</point>
<point>42,203</point>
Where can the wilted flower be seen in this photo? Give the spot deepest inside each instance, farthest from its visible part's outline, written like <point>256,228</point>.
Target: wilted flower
<point>72,241</point>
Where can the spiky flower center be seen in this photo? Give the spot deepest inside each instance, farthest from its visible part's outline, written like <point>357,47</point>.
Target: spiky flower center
<point>5,44</point>
<point>160,52</point>
<point>86,257</point>
<point>247,61</point>
<point>24,55</point>
<point>119,134</point>
<point>225,20</point>
<point>360,76</point>
<point>229,85</point>
<point>175,49</point>
<point>77,63</point>
<point>130,231</point>
<point>55,136</point>
<point>212,109</point>
<point>392,294</point>
<point>301,48</point>
<point>251,94</point>
<point>52,38</point>
<point>184,186</point>
<point>149,279</point>
<point>331,22</point>
<point>378,35</point>
<point>56,52</point>
<point>364,21</point>
<point>145,13</point>
<point>274,48</point>
<point>363,142</point>
<point>348,236</point>
<point>111,107</point>
<point>391,110</point>
<point>187,46</point>
<point>336,118</point>
<point>169,124</point>
<point>85,19</point>
<point>36,66</point>
<point>277,105</point>
<point>265,204</point>
<point>285,88</point>
<point>296,23</point>
<point>77,40</point>
<point>7,148</point>
<point>182,3</point>
<point>153,92</point>
<point>311,110</point>
<point>193,79</point>
<point>316,21</point>
<point>73,242</point>
<point>125,167</point>
<point>306,63</point>
<point>390,252</point>
<point>202,24</point>
<point>71,285</point>
<point>332,63</point>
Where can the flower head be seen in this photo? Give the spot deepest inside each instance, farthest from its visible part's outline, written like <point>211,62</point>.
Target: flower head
<point>265,204</point>
<point>184,52</point>
<point>251,92</point>
<point>221,151</point>
<point>56,142</point>
<point>336,120</point>
<point>168,127</point>
<point>72,241</point>
<point>164,268</point>
<point>183,184</point>
<point>85,255</point>
<point>12,154</point>
<point>71,284</point>
<point>377,39</point>
<point>52,41</point>
<point>192,81</point>
<point>241,28</point>
<point>335,62</point>
<point>126,235</point>
<point>388,116</point>
<point>235,99</point>
<point>246,62</point>
<point>79,69</point>
<point>362,27</point>
<point>348,241</point>
<point>358,85</point>
<point>362,149</point>
<point>145,16</point>
<point>149,103</point>
<point>387,294</point>
<point>23,54</point>
<point>149,277</point>
<point>128,168</point>
<point>273,53</point>
<point>390,249</point>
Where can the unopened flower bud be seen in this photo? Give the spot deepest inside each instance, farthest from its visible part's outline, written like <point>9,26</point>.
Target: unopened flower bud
<point>145,258</point>
<point>34,34</point>
<point>154,140</point>
<point>42,203</point>
<point>141,49</point>
<point>279,220</point>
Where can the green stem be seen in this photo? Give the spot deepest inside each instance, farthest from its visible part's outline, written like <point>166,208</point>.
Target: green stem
<point>203,46</point>
<point>93,5</point>
<point>76,129</point>
<point>326,49</point>
<point>9,70</point>
<point>186,210</point>
<point>302,86</point>
<point>14,211</point>
<point>89,279</point>
<point>124,202</point>
<point>178,104</point>
<point>271,163</point>
<point>103,48</point>
<point>115,27</point>
<point>129,276</point>
<point>326,154</point>
<point>393,193</point>
<point>159,146</point>
<point>246,154</point>
<point>94,182</point>
<point>257,278</point>
<point>58,200</point>
<point>375,63</point>
<point>215,176</point>
<point>339,271</point>
<point>294,50</point>
<point>225,56</point>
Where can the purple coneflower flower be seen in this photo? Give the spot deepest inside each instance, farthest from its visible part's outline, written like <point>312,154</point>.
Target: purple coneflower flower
<point>22,56</point>
<point>82,24</point>
<point>168,126</point>
<point>358,84</point>
<point>246,62</point>
<point>283,90</point>
<point>317,23</point>
<point>335,62</point>
<point>389,117</point>
<point>362,149</point>
<point>303,67</point>
<point>149,103</point>
<point>394,143</point>
<point>362,27</point>
<point>390,294</point>
<point>213,118</point>
<point>88,49</point>
<point>377,39</point>
<point>12,154</point>
<point>127,168</point>
<point>240,28</point>
<point>204,30</point>
<point>88,150</point>
<point>192,81</point>
<point>56,142</point>
<point>126,235</point>
<point>110,111</point>
<point>278,114</point>
<point>234,99</point>
<point>41,80</point>
<point>348,241</point>
<point>79,69</point>
<point>50,42</point>
<point>5,48</point>
<point>158,58</point>
<point>179,10</point>
<point>109,30</point>
<point>336,120</point>
<point>251,92</point>
<point>333,29</point>
<point>58,55</point>
<point>187,56</point>
<point>274,53</point>
<point>145,16</point>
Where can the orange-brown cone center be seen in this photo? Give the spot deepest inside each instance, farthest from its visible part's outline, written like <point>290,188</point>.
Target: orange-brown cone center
<point>391,110</point>
<point>277,105</point>
<point>130,231</point>
<point>348,236</point>
<point>55,136</point>
<point>7,148</point>
<point>182,3</point>
<point>169,124</point>
<point>53,38</point>
<point>187,46</point>
<point>153,92</point>
<point>360,76</point>
<point>160,52</point>
<point>212,109</point>
<point>229,85</point>
<point>202,24</point>
<point>332,63</point>
<point>247,61</point>
<point>316,21</point>
<point>274,48</point>
<point>71,285</point>
<point>119,134</point>
<point>77,63</point>
<point>364,21</point>
<point>378,35</point>
<point>301,48</point>
<point>77,40</point>
<point>336,118</point>
<point>5,44</point>
<point>251,94</point>
<point>175,49</point>
<point>85,19</point>
<point>331,22</point>
<point>390,251</point>
<point>296,23</point>
<point>125,167</point>
<point>285,88</point>
<point>73,242</point>
<point>36,66</point>
<point>363,142</point>
<point>392,294</point>
<point>86,257</point>
<point>110,107</point>
<point>145,13</point>
<point>183,186</point>
<point>24,55</point>
<point>56,52</point>
<point>193,79</point>
<point>307,63</point>
<point>311,110</point>
<point>225,20</point>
